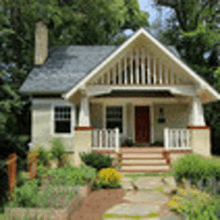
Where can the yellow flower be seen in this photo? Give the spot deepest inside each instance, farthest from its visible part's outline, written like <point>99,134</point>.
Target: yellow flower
<point>110,175</point>
<point>182,192</point>
<point>173,204</point>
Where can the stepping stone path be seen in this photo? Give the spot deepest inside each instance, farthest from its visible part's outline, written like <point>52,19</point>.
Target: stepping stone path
<point>150,196</point>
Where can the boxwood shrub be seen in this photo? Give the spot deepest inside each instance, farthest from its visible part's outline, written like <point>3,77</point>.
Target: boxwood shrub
<point>195,168</point>
<point>97,161</point>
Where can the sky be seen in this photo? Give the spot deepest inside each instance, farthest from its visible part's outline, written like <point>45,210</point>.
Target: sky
<point>148,5</point>
<point>154,14</point>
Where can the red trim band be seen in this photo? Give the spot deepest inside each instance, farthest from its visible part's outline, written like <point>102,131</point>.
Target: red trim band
<point>199,127</point>
<point>83,128</point>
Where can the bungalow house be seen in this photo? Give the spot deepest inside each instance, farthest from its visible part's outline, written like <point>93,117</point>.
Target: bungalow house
<point>96,97</point>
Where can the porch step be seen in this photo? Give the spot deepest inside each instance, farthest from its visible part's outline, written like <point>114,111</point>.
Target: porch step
<point>144,171</point>
<point>145,167</point>
<point>142,155</point>
<point>136,159</point>
<point>144,161</point>
<point>146,158</point>
<point>141,150</point>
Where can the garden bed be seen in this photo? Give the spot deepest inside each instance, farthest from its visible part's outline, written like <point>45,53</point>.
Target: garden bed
<point>58,212</point>
<point>93,209</point>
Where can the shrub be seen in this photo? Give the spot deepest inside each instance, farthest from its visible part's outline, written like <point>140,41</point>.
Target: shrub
<point>216,168</point>
<point>98,161</point>
<point>128,142</point>
<point>194,204</point>
<point>31,195</point>
<point>22,178</point>
<point>69,175</point>
<point>157,143</point>
<point>25,196</point>
<point>44,156</point>
<point>193,167</point>
<point>58,151</point>
<point>108,178</point>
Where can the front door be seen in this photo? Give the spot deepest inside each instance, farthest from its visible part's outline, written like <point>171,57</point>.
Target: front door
<point>142,124</point>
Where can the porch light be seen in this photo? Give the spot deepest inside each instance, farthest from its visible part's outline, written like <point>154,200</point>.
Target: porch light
<point>161,118</point>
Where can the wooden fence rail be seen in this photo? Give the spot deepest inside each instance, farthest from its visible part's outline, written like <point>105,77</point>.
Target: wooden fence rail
<point>12,172</point>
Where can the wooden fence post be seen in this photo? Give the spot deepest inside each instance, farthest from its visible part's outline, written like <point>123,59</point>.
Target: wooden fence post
<point>32,163</point>
<point>12,172</point>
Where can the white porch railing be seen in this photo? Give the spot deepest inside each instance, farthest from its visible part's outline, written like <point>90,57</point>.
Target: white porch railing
<point>105,139</point>
<point>178,139</point>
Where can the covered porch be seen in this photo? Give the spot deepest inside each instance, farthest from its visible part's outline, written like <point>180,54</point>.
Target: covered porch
<point>144,117</point>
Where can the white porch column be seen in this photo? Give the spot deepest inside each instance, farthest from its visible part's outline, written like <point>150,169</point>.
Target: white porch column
<point>196,113</point>
<point>84,115</point>
<point>200,141</point>
<point>83,132</point>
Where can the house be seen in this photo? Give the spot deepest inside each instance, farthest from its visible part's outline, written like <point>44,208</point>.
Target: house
<point>95,97</point>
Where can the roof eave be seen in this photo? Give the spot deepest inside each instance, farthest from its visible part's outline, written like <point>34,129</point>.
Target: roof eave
<point>42,92</point>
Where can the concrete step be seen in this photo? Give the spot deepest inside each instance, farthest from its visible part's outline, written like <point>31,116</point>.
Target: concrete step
<point>144,161</point>
<point>145,167</point>
<point>142,155</point>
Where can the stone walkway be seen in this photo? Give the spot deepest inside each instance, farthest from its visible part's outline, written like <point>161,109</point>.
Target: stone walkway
<point>146,199</point>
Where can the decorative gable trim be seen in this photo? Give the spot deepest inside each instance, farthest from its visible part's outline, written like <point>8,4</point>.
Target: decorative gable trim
<point>203,84</point>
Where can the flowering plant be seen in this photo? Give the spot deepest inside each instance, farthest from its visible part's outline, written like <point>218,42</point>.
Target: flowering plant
<point>194,204</point>
<point>108,178</point>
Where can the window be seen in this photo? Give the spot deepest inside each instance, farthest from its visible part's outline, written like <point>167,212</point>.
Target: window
<point>114,118</point>
<point>62,119</point>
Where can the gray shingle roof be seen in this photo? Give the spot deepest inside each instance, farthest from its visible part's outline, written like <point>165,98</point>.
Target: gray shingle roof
<point>65,67</point>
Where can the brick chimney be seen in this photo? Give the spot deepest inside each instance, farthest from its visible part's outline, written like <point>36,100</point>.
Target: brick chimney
<point>41,43</point>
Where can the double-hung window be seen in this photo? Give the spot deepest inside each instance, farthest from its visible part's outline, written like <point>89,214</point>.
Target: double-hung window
<point>62,120</point>
<point>114,118</point>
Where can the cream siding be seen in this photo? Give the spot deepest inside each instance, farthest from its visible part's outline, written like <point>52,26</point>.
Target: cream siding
<point>96,112</point>
<point>176,116</point>
<point>129,120</point>
<point>42,127</point>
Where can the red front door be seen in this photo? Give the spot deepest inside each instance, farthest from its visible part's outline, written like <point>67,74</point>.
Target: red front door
<point>142,124</point>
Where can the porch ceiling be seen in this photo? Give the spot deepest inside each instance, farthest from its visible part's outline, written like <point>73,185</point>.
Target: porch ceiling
<point>136,93</point>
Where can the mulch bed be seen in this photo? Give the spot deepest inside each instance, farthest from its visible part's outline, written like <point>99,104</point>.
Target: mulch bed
<point>97,203</point>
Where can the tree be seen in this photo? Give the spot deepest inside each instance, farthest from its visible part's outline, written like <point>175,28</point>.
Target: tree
<point>194,30</point>
<point>69,22</point>
<point>194,23</point>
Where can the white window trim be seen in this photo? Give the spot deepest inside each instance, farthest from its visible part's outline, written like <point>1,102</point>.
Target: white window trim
<point>72,122</point>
